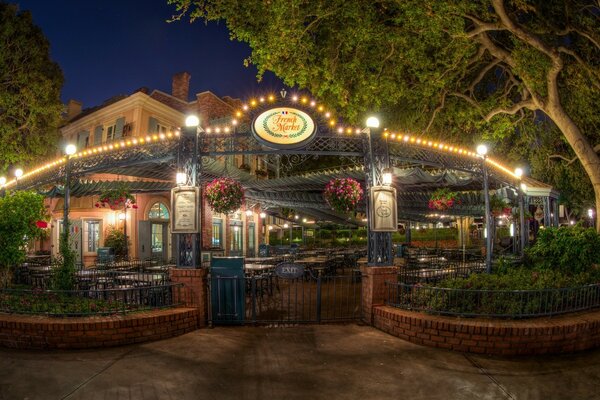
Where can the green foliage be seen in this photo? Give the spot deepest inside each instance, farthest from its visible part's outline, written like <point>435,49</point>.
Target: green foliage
<point>19,212</point>
<point>423,65</point>
<point>57,304</point>
<point>30,96</point>
<point>117,240</point>
<point>63,277</point>
<point>566,249</point>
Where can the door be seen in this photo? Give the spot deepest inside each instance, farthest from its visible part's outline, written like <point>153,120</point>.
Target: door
<point>144,240</point>
<point>251,240</point>
<point>158,240</point>
<point>75,238</point>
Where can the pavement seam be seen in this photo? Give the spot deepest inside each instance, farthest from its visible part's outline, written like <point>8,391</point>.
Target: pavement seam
<point>107,366</point>
<point>490,376</point>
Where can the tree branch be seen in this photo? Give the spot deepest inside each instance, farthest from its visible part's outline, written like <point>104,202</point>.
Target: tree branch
<point>437,109</point>
<point>520,32</point>
<point>481,74</point>
<point>583,64</point>
<point>468,100</point>
<point>571,160</point>
<point>511,110</point>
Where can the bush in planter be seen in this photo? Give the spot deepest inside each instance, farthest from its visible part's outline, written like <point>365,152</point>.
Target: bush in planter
<point>19,212</point>
<point>571,249</point>
<point>117,240</point>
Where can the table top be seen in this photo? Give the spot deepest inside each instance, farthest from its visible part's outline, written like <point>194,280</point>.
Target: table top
<point>311,260</point>
<point>258,267</point>
<point>259,260</point>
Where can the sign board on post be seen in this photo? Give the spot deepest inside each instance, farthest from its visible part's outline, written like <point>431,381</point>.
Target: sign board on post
<point>284,128</point>
<point>384,215</point>
<point>184,207</point>
<point>289,271</point>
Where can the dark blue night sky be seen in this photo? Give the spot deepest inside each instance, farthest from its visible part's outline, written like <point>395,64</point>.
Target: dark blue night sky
<point>111,47</point>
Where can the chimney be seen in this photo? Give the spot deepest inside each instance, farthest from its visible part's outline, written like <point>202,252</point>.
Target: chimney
<point>73,109</point>
<point>181,86</point>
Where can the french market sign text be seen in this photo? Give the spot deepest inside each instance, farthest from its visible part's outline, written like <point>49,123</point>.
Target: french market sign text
<point>284,127</point>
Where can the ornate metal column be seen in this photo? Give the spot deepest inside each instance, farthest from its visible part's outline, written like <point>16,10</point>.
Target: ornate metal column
<point>188,244</point>
<point>379,244</point>
<point>488,219</point>
<point>522,229</point>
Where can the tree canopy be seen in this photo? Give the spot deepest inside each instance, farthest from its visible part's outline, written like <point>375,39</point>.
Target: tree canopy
<point>464,70</point>
<point>30,83</point>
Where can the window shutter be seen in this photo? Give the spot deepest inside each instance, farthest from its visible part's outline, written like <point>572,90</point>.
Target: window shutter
<point>119,128</point>
<point>152,125</point>
<point>82,138</point>
<point>98,135</point>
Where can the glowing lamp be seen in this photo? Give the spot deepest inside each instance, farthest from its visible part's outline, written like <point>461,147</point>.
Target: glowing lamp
<point>482,150</point>
<point>192,120</point>
<point>519,172</point>
<point>70,149</point>
<point>263,215</point>
<point>372,122</point>
<point>18,173</point>
<point>181,178</point>
<point>2,180</point>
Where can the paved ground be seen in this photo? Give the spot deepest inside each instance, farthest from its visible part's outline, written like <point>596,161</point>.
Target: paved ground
<point>307,362</point>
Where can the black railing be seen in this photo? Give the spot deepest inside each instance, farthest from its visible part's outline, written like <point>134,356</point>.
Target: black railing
<point>492,303</point>
<point>90,301</point>
<point>435,270</point>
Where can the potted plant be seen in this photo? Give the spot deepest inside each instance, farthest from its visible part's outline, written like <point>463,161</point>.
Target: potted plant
<point>117,199</point>
<point>499,207</point>
<point>224,195</point>
<point>443,199</point>
<point>343,194</point>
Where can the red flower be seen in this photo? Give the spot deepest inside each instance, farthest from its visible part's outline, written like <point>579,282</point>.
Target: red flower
<point>41,224</point>
<point>134,206</point>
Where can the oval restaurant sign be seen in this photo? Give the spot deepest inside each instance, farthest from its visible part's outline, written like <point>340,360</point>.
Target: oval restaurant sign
<point>284,127</point>
<point>289,271</point>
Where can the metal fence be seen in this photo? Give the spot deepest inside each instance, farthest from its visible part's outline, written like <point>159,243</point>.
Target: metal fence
<point>267,298</point>
<point>435,270</point>
<point>90,301</point>
<point>492,303</point>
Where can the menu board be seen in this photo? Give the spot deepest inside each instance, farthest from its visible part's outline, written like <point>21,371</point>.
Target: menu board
<point>184,203</point>
<point>383,212</point>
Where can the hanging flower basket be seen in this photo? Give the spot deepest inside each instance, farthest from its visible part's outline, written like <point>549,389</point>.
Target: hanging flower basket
<point>224,195</point>
<point>117,199</point>
<point>443,199</point>
<point>343,194</point>
<point>499,207</point>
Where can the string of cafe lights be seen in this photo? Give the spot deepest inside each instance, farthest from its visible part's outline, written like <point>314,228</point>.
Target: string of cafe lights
<point>250,105</point>
<point>92,151</point>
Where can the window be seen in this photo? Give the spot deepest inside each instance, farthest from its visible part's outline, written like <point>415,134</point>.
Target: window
<point>161,128</point>
<point>92,235</point>
<point>110,132</point>
<point>158,211</point>
<point>157,238</point>
<point>236,239</point>
<point>217,232</point>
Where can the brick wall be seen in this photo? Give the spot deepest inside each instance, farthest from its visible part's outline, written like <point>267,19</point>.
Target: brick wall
<point>209,106</point>
<point>373,288</point>
<point>562,334</point>
<point>195,290</point>
<point>38,332</point>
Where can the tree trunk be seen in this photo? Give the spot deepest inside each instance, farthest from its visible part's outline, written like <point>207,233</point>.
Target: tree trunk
<point>583,149</point>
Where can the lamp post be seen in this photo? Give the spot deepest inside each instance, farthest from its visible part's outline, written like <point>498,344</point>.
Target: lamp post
<point>590,213</point>
<point>521,196</point>
<point>70,149</point>
<point>2,184</point>
<point>482,151</point>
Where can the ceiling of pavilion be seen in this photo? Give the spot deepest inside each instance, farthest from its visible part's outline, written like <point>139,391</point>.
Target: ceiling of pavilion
<point>419,168</point>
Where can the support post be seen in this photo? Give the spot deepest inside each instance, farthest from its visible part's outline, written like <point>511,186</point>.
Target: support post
<point>488,222</point>
<point>379,244</point>
<point>522,232</point>
<point>67,200</point>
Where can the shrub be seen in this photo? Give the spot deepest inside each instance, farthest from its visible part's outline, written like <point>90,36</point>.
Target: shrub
<point>567,249</point>
<point>117,240</point>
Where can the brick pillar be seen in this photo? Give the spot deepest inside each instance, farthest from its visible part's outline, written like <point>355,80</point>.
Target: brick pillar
<point>373,288</point>
<point>194,292</point>
<point>181,85</point>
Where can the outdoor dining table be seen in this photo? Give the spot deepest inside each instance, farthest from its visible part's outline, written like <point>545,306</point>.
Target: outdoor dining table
<point>254,268</point>
<point>260,260</point>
